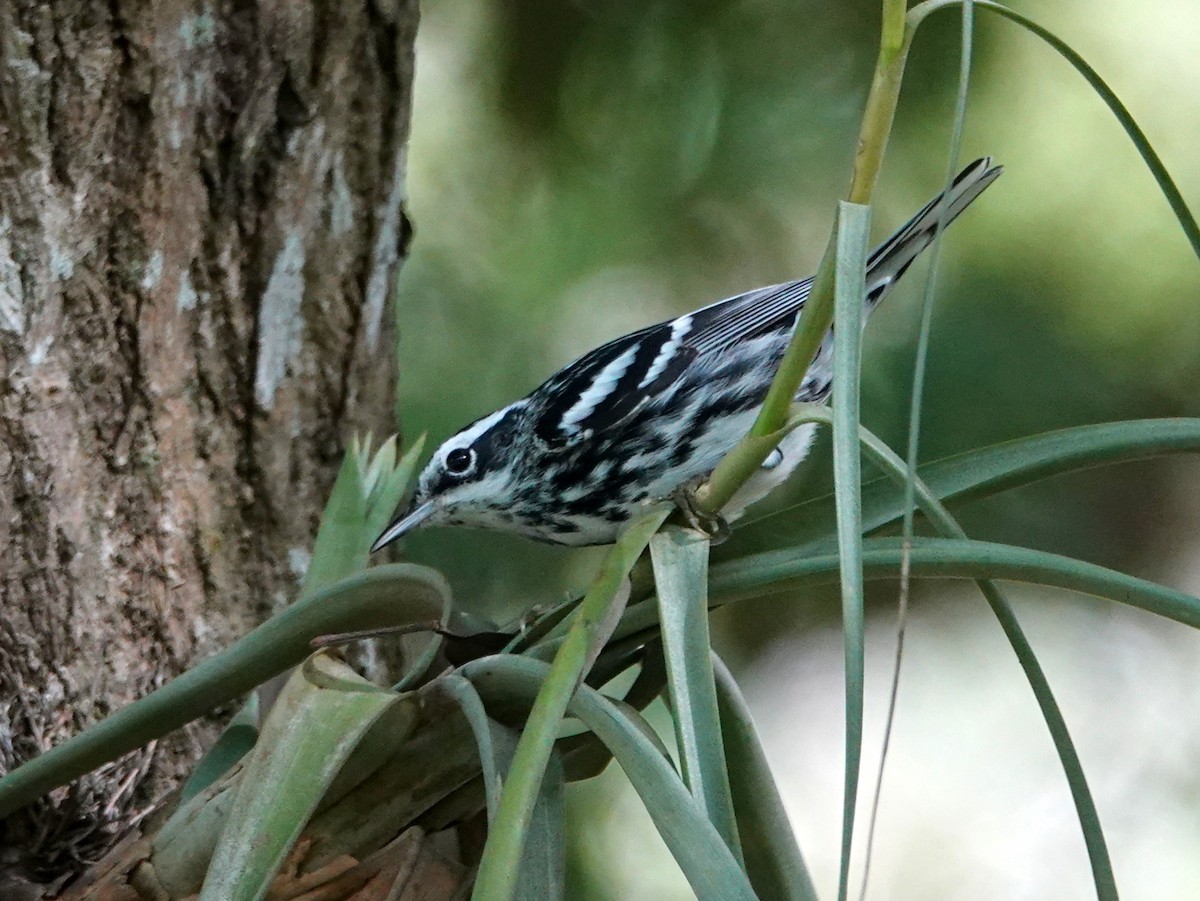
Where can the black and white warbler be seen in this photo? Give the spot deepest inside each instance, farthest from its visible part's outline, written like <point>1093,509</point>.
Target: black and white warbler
<point>647,414</point>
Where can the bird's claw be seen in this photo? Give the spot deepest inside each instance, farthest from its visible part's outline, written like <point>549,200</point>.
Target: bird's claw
<point>711,525</point>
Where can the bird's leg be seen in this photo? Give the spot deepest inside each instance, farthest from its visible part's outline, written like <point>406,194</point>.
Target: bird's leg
<point>712,525</point>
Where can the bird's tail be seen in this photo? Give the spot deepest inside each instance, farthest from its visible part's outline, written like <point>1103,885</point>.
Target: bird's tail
<point>891,259</point>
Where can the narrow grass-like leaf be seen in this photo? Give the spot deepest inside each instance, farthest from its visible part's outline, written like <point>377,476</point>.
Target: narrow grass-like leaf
<point>490,760</point>
<point>939,558</point>
<point>388,486</point>
<point>914,417</point>
<point>705,859</point>
<point>1085,806</point>
<point>236,740</point>
<point>381,596</point>
<point>762,575</point>
<point>1165,183</point>
<point>681,572</point>
<point>543,867</point>
<point>854,226</point>
<point>312,730</point>
<point>339,550</point>
<point>589,630</point>
<point>982,473</point>
<point>773,860</point>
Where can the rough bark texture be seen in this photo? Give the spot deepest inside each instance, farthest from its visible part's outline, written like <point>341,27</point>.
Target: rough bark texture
<point>201,216</point>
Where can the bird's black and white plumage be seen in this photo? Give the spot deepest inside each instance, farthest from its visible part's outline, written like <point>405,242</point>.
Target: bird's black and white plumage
<point>634,420</point>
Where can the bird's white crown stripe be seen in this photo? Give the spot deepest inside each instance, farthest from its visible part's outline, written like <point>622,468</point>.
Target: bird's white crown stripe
<point>468,435</point>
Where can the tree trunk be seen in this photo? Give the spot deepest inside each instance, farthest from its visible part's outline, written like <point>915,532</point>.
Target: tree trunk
<point>201,217</point>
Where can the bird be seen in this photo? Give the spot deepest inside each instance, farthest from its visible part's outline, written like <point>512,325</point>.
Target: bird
<point>643,417</point>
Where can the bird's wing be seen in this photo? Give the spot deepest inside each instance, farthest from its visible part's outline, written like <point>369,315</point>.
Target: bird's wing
<point>606,386</point>
<point>609,384</point>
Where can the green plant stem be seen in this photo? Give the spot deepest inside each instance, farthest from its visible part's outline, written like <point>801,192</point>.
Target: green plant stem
<point>592,626</point>
<point>745,459</point>
<point>693,841</point>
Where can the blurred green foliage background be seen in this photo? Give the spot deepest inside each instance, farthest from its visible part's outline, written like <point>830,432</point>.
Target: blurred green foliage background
<point>581,169</point>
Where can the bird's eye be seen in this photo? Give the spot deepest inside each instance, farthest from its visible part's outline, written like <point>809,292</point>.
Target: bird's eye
<point>459,461</point>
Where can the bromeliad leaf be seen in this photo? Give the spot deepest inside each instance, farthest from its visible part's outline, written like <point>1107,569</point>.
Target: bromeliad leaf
<point>322,713</point>
<point>681,573</point>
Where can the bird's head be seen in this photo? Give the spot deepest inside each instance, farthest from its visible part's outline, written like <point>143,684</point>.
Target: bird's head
<point>470,480</point>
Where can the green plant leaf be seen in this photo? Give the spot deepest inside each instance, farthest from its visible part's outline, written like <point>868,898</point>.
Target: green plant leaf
<point>585,756</point>
<point>543,865</point>
<point>706,861</point>
<point>680,559</point>
<point>368,487</point>
<point>339,549</point>
<point>1085,806</point>
<point>775,572</point>
<point>491,762</point>
<point>589,630</point>
<point>773,859</point>
<point>235,742</point>
<point>981,473</point>
<point>318,720</point>
<point>942,558</point>
<point>854,225</point>
<point>389,485</point>
<point>1165,183</point>
<point>393,595</point>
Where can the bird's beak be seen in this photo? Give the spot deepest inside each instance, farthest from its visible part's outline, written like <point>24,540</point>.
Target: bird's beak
<point>403,524</point>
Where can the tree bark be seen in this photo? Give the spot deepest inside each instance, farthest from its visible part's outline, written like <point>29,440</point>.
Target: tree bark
<point>201,218</point>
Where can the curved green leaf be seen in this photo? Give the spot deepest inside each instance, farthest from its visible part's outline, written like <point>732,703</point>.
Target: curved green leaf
<point>381,596</point>
<point>1165,183</point>
<point>958,559</point>
<point>589,630</point>
<point>680,559</point>
<point>585,756</point>
<point>774,572</point>
<point>322,713</point>
<point>702,854</point>
<point>981,473</point>
<point>773,860</point>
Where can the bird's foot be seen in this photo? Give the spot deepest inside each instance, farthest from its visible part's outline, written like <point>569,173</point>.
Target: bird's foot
<point>712,525</point>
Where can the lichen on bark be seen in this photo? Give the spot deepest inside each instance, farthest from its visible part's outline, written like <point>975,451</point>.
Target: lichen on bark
<point>201,218</point>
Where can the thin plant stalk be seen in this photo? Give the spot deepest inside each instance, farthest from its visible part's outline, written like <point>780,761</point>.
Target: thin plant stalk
<point>914,425</point>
